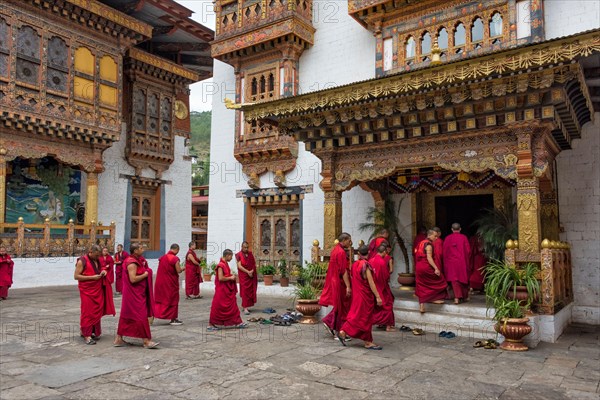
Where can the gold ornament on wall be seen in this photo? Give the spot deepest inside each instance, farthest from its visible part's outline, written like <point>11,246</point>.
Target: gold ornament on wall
<point>181,110</point>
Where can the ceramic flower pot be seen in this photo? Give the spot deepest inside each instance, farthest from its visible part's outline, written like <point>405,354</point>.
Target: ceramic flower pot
<point>268,280</point>
<point>513,330</point>
<point>406,279</point>
<point>284,281</point>
<point>206,277</point>
<point>308,308</point>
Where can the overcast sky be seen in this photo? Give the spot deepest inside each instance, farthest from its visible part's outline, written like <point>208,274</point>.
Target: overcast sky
<point>200,98</point>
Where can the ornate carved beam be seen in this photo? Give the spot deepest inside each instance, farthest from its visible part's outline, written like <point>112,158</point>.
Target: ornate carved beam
<point>180,46</point>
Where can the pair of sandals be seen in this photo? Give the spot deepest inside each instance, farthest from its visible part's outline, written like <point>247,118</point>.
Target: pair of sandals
<point>489,344</point>
<point>405,328</point>
<point>211,328</point>
<point>418,332</point>
<point>447,335</point>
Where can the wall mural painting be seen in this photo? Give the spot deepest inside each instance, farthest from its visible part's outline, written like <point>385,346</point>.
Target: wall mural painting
<point>40,189</point>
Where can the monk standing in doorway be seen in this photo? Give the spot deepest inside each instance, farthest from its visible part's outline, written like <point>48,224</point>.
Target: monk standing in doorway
<point>120,256</point>
<point>6,273</point>
<point>224,311</point>
<point>457,257</point>
<point>337,291</point>
<point>166,289</point>
<point>95,293</point>
<point>192,273</point>
<point>137,306</point>
<point>246,265</point>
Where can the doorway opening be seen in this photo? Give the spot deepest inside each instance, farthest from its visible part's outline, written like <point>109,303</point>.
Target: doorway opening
<point>462,209</point>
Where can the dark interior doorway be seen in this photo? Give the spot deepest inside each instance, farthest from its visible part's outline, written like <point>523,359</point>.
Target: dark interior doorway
<point>462,209</point>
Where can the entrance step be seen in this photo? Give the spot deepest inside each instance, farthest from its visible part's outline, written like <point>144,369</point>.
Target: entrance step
<point>468,320</point>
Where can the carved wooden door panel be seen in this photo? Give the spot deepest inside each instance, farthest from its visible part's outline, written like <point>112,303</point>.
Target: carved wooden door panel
<point>276,235</point>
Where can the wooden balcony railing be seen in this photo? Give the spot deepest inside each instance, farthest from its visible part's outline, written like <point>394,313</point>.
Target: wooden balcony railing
<point>200,222</point>
<point>54,240</point>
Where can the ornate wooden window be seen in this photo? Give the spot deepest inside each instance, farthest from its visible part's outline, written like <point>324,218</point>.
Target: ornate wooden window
<point>108,82</point>
<point>496,29</point>
<point>410,49</point>
<point>28,56</point>
<point>57,73</point>
<point>4,49</point>
<point>477,33</point>
<point>152,122</point>
<point>83,82</point>
<point>145,216</point>
<point>425,46</point>
<point>276,234</point>
<point>460,38</point>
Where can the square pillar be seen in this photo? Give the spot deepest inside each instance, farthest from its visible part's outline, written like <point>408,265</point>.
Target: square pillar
<point>333,218</point>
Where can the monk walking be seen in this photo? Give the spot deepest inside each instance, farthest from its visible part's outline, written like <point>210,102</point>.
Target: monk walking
<point>457,257</point>
<point>193,275</point>
<point>248,279</point>
<point>95,293</point>
<point>120,256</point>
<point>421,235</point>
<point>137,306</point>
<point>6,273</point>
<point>438,249</point>
<point>383,315</point>
<point>337,291</point>
<point>478,262</point>
<point>381,237</point>
<point>431,285</point>
<point>107,263</point>
<point>224,311</point>
<point>364,299</point>
<point>166,288</point>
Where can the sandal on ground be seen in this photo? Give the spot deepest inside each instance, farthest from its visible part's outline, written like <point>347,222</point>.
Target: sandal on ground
<point>490,345</point>
<point>442,334</point>
<point>212,329</point>
<point>328,329</point>
<point>480,343</point>
<point>90,342</point>
<point>374,347</point>
<point>151,345</point>
<point>265,322</point>
<point>253,320</point>
<point>269,310</point>
<point>448,335</point>
<point>341,339</point>
<point>405,328</point>
<point>347,339</point>
<point>418,332</point>
<point>246,312</point>
<point>242,326</point>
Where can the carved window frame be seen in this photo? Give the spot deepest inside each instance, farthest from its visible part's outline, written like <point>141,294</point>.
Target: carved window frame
<point>5,48</point>
<point>141,194</point>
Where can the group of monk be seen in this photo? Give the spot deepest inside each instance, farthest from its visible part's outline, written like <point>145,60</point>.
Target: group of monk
<point>447,268</point>
<point>360,296</point>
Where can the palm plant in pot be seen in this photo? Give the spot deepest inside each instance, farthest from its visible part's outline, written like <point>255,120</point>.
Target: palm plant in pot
<point>267,272</point>
<point>307,297</point>
<point>389,219</point>
<point>284,280</point>
<point>510,314</point>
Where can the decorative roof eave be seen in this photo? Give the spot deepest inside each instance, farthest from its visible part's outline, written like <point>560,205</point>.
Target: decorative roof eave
<point>291,25</point>
<point>530,56</point>
<point>102,17</point>
<point>165,65</point>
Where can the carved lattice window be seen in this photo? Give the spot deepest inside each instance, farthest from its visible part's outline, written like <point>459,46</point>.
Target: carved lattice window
<point>265,233</point>
<point>4,48</point>
<point>28,55</point>
<point>145,216</point>
<point>84,81</point>
<point>58,70</point>
<point>280,233</point>
<point>108,82</point>
<point>496,26</point>
<point>152,122</point>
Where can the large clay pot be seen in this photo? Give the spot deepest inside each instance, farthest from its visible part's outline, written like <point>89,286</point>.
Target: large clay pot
<point>206,277</point>
<point>406,279</point>
<point>284,281</point>
<point>268,279</point>
<point>308,308</point>
<point>513,330</point>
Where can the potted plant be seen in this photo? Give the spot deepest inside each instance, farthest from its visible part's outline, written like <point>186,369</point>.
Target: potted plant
<point>510,314</point>
<point>314,274</point>
<point>284,279</point>
<point>389,218</point>
<point>307,295</point>
<point>495,227</point>
<point>207,270</point>
<point>267,272</point>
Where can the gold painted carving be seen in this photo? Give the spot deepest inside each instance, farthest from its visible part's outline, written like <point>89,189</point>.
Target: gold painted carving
<point>91,202</point>
<point>181,110</point>
<point>528,207</point>
<point>332,211</point>
<point>115,16</point>
<point>163,64</point>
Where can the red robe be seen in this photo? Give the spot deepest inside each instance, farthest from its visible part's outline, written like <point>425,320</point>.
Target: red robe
<point>247,285</point>
<point>478,261</point>
<point>438,253</point>
<point>6,274</point>
<point>374,245</point>
<point>96,299</point>
<point>429,286</point>
<point>108,264</point>
<point>334,290</point>
<point>384,314</point>
<point>166,288</point>
<point>137,304</point>
<point>457,260</point>
<point>360,317</point>
<point>119,258</point>
<point>224,310</point>
<point>192,275</point>
<point>418,239</point>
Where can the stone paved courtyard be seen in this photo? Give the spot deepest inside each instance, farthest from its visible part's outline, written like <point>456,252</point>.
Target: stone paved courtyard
<point>43,357</point>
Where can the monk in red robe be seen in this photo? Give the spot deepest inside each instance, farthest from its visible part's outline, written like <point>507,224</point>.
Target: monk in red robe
<point>364,299</point>
<point>381,237</point>
<point>457,260</point>
<point>431,285</point>
<point>383,315</point>
<point>478,262</point>
<point>95,293</point>
<point>421,235</point>
<point>120,256</point>
<point>193,273</point>
<point>166,288</point>
<point>438,249</point>
<point>224,311</point>
<point>248,279</point>
<point>107,263</point>
<point>137,306</point>
<point>337,291</point>
<point>6,273</point>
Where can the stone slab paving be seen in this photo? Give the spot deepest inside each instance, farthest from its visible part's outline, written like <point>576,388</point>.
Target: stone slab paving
<point>43,357</point>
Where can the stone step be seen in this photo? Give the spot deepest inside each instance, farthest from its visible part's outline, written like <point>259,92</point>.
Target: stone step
<point>471,309</point>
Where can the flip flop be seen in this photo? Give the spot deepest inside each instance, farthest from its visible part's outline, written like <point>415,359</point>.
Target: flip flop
<point>480,343</point>
<point>242,326</point>
<point>450,335</point>
<point>90,342</point>
<point>442,334</point>
<point>212,329</point>
<point>341,339</point>
<point>489,346</point>
<point>253,320</point>
<point>418,332</point>
<point>405,328</point>
<point>374,348</point>
<point>246,312</point>
<point>153,345</point>
<point>328,329</point>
